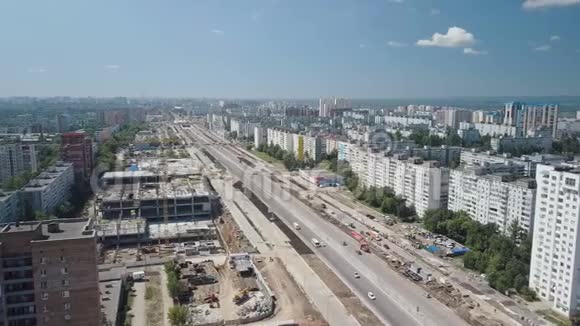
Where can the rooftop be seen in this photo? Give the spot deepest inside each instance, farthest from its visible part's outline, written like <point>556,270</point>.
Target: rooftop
<point>57,229</point>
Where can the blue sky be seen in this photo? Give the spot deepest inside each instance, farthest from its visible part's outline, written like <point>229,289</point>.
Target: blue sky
<point>290,48</point>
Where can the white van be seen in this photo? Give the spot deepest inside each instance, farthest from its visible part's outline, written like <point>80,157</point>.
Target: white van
<point>138,276</point>
<point>296,226</point>
<point>316,243</point>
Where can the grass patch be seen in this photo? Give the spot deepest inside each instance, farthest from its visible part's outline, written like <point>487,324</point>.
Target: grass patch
<point>151,292</point>
<point>264,156</point>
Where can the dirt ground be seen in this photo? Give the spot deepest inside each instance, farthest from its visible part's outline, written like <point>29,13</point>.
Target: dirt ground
<point>291,303</point>
<point>153,299</point>
<point>353,305</point>
<point>233,236</point>
<point>228,285</point>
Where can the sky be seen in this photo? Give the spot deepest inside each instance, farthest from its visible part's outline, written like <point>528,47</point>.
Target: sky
<point>290,48</point>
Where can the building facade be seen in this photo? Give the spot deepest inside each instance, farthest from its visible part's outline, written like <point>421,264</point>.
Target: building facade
<point>15,159</point>
<point>49,190</point>
<point>10,210</point>
<point>554,272</point>
<point>49,274</point>
<point>489,197</point>
<point>77,148</point>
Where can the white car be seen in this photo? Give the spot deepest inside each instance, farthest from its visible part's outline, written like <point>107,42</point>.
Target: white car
<point>371,296</point>
<point>356,275</point>
<point>323,244</point>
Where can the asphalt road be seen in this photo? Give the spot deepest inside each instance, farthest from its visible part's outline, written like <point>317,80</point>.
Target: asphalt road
<point>398,301</point>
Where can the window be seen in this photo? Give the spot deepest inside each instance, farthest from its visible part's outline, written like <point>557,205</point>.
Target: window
<point>65,282</point>
<point>67,317</point>
<point>44,309</point>
<point>44,296</point>
<point>65,294</point>
<point>43,285</point>
<point>64,271</point>
<point>43,272</point>
<point>67,306</point>
<point>62,259</point>
<point>570,182</point>
<point>43,260</point>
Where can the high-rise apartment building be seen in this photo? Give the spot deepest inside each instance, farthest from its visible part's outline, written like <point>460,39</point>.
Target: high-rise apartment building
<point>282,138</point>
<point>423,184</point>
<point>328,107</point>
<point>15,159</point>
<point>260,136</point>
<point>554,272</point>
<point>490,196</point>
<point>77,148</point>
<point>49,274</point>
<point>531,120</point>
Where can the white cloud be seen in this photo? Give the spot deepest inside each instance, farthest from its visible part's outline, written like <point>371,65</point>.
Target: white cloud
<point>362,45</point>
<point>38,70</point>
<point>395,44</point>
<point>471,51</point>
<point>554,38</point>
<point>112,67</point>
<point>543,48</point>
<point>532,4</point>
<point>217,31</point>
<point>455,37</point>
<point>435,12</point>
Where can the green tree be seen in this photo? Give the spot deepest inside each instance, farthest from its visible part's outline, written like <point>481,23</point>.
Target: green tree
<point>178,315</point>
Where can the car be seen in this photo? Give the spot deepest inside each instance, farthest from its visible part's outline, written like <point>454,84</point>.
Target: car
<point>428,295</point>
<point>356,275</point>
<point>371,296</point>
<point>344,243</point>
<point>323,244</point>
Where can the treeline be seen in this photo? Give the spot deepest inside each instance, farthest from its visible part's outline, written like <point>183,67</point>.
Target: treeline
<point>106,152</point>
<point>290,161</point>
<point>567,145</point>
<point>387,201</point>
<point>505,259</point>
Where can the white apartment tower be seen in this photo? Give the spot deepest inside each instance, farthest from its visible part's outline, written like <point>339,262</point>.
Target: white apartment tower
<point>498,198</point>
<point>554,270</point>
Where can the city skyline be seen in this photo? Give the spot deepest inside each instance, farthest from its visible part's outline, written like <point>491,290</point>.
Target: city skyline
<point>299,49</point>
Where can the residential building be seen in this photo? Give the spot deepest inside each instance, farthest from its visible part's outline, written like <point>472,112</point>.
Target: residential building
<point>526,164</point>
<point>62,122</point>
<point>490,194</point>
<point>554,272</point>
<point>17,158</point>
<point>243,129</point>
<point>48,190</point>
<point>494,129</point>
<point>468,133</point>
<point>403,121</point>
<point>424,184</point>
<point>49,273</point>
<point>77,148</point>
<point>530,119</point>
<point>330,107</point>
<point>10,210</point>
<point>260,136</point>
<point>507,144</point>
<point>453,116</point>
<point>282,138</point>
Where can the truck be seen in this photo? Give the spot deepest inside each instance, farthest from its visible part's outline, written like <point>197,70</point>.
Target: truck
<point>364,246</point>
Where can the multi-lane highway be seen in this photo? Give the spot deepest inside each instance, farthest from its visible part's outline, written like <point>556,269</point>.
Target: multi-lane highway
<point>398,301</point>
